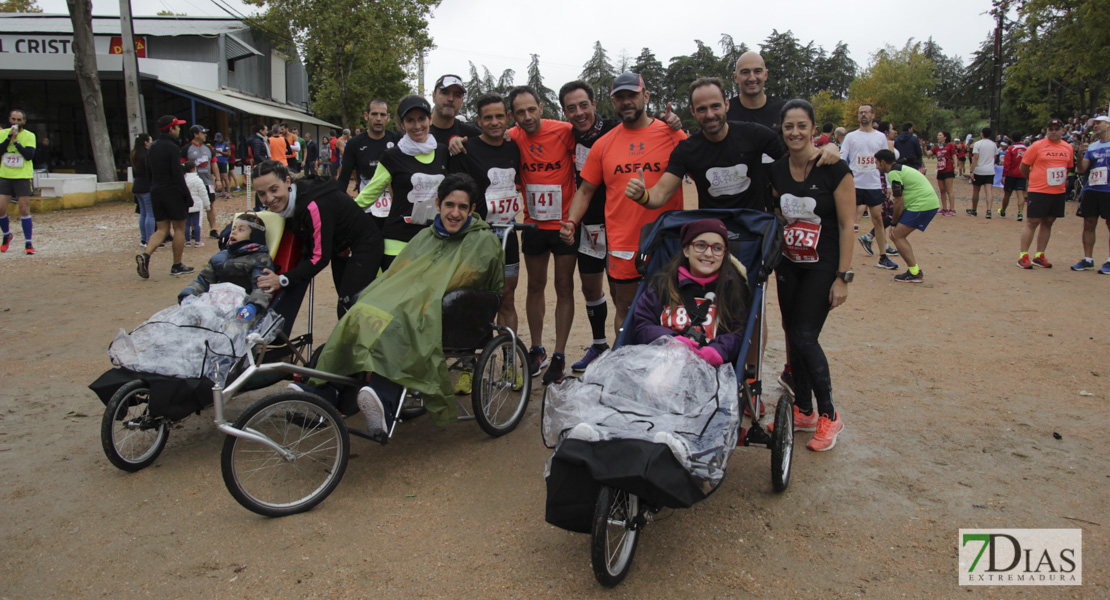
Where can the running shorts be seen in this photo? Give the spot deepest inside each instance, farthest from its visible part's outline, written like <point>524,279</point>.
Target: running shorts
<point>1043,205</point>
<point>1093,204</point>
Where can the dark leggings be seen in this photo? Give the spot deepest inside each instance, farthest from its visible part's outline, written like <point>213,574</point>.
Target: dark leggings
<point>353,273</point>
<point>804,303</point>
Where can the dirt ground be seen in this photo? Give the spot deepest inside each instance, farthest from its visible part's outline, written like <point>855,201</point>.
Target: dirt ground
<point>951,391</point>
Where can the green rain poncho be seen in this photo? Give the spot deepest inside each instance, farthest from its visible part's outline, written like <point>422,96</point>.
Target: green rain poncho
<point>395,328</point>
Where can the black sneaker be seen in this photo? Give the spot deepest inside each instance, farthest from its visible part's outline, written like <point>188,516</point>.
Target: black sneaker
<point>971,213</point>
<point>786,380</point>
<point>142,265</point>
<point>554,373</point>
<point>908,277</point>
<point>214,234</point>
<point>537,359</point>
<point>180,269</point>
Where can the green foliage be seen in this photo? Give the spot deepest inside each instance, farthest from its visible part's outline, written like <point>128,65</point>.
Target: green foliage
<point>19,6</point>
<point>829,109</point>
<point>898,83</point>
<point>654,76</point>
<point>170,13</point>
<point>353,50</point>
<point>550,101</point>
<point>599,73</point>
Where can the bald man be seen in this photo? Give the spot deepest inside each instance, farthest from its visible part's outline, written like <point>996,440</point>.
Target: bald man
<point>753,105</point>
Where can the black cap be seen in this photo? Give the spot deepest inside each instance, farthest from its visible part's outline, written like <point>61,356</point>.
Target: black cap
<point>195,129</point>
<point>627,81</point>
<point>446,81</point>
<point>410,103</point>
<point>1056,123</point>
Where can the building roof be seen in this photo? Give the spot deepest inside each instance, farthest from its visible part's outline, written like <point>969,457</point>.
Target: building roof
<point>16,23</point>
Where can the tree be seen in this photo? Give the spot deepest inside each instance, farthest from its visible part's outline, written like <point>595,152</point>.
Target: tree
<point>682,71</point>
<point>19,6</point>
<point>897,84</point>
<point>352,50</point>
<point>730,53</point>
<point>829,109</point>
<point>654,76</point>
<point>84,63</point>
<point>836,72</point>
<point>598,71</point>
<point>551,108</point>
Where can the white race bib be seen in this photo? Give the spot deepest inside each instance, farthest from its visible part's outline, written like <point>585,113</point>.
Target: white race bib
<point>593,240</point>
<point>502,201</point>
<point>580,154</point>
<point>13,161</point>
<point>545,202</point>
<point>623,254</point>
<point>1056,176</point>
<point>864,163</point>
<point>381,207</point>
<point>423,198</point>
<point>728,181</point>
<point>1097,176</point>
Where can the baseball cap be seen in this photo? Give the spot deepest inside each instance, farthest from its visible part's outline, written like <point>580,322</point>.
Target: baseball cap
<point>1056,123</point>
<point>1103,118</point>
<point>446,81</point>
<point>410,103</point>
<point>195,129</point>
<point>627,81</point>
<point>169,121</point>
<point>219,136</point>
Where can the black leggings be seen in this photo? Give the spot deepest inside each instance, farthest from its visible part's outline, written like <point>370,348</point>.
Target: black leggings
<point>804,303</point>
<point>353,273</point>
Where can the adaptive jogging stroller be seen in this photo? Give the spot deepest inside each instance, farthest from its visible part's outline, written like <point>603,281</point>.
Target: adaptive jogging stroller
<point>288,451</point>
<point>612,485</point>
<point>140,407</point>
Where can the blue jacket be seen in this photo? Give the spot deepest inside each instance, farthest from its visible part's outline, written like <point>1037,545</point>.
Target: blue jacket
<point>647,324</point>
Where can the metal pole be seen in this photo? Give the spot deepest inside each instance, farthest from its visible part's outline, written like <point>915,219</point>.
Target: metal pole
<point>996,79</point>
<point>130,71</point>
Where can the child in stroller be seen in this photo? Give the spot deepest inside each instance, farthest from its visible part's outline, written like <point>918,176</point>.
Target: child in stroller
<point>241,263</point>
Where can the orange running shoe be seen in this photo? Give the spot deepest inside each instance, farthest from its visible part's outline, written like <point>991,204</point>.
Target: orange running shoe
<point>1042,262</point>
<point>827,432</point>
<point>1024,262</point>
<point>802,421</point>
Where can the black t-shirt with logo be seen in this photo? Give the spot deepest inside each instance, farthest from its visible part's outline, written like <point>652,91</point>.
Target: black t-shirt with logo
<point>496,170</point>
<point>443,136</point>
<point>361,155</point>
<point>728,173</point>
<point>810,210</point>
<point>414,184</point>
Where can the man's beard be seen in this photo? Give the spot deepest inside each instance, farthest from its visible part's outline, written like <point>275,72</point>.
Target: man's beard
<point>635,116</point>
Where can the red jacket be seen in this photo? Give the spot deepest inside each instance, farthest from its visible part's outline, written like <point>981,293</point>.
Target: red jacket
<point>1011,162</point>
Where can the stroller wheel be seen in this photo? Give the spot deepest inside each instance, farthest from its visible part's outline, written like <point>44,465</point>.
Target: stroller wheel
<point>502,385</point>
<point>316,447</point>
<point>782,443</point>
<point>132,439</point>
<point>616,529</point>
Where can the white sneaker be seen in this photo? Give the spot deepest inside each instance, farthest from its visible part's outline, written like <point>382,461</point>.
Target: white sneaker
<point>583,431</point>
<point>677,445</point>
<point>371,406</point>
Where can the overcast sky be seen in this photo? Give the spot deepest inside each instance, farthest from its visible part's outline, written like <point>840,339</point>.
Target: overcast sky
<point>501,34</point>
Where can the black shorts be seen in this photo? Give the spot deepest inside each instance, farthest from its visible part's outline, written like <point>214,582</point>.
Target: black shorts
<point>534,242</point>
<point>590,265</point>
<point>1014,184</point>
<point>512,249</point>
<point>869,197</point>
<point>1093,204</point>
<point>978,180</point>
<point>1045,205</point>
<point>222,167</point>
<point>962,159</point>
<point>20,188</point>
<point>946,175</point>
<point>168,207</point>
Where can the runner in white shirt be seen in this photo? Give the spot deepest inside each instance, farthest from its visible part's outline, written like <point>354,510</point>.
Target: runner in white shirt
<point>859,150</point>
<point>982,171</point>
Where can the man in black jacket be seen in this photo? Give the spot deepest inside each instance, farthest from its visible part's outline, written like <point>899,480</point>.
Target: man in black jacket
<point>169,196</point>
<point>909,148</point>
<point>259,143</point>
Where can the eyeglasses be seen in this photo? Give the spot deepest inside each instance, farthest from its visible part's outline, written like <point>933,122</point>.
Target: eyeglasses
<point>701,247</point>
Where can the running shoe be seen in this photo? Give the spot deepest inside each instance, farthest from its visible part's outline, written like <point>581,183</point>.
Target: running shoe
<point>537,359</point>
<point>465,383</point>
<point>855,228</point>
<point>891,250</point>
<point>886,263</point>
<point>371,406</point>
<point>908,277</point>
<point>554,373</point>
<point>786,380</point>
<point>142,265</point>
<point>518,381</point>
<point>1105,270</point>
<point>988,214</point>
<point>326,392</point>
<point>1083,265</point>
<point>591,354</point>
<point>971,213</point>
<point>827,432</point>
<point>1042,262</point>
<point>179,269</point>
<point>28,248</point>
<point>1019,217</point>
<point>7,242</point>
<point>866,243</point>
<point>189,244</point>
<point>198,244</point>
<point>802,421</point>
<point>1001,214</point>
<point>1024,262</point>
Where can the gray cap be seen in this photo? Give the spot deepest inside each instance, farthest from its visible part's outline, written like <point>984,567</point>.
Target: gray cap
<point>627,81</point>
<point>195,129</point>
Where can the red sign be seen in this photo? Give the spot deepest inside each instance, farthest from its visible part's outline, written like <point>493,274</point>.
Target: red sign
<point>116,46</point>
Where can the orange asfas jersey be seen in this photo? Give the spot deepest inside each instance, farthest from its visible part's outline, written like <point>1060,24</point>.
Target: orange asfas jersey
<point>1048,166</point>
<point>547,172</point>
<point>613,161</point>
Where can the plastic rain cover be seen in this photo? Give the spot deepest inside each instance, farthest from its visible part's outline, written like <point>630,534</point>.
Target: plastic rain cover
<point>199,338</point>
<point>661,392</point>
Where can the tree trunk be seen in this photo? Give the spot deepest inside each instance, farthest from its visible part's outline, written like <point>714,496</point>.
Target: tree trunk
<point>84,63</point>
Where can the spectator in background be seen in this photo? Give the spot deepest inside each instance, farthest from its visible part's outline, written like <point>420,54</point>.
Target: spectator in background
<point>909,148</point>
<point>326,145</point>
<point>826,135</point>
<point>140,187</point>
<point>311,155</point>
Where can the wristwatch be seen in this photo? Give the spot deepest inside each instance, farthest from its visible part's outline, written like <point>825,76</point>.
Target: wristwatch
<point>846,276</point>
<point>284,281</point>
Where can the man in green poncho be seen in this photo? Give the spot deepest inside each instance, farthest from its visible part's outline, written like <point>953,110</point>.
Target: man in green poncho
<point>394,331</point>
